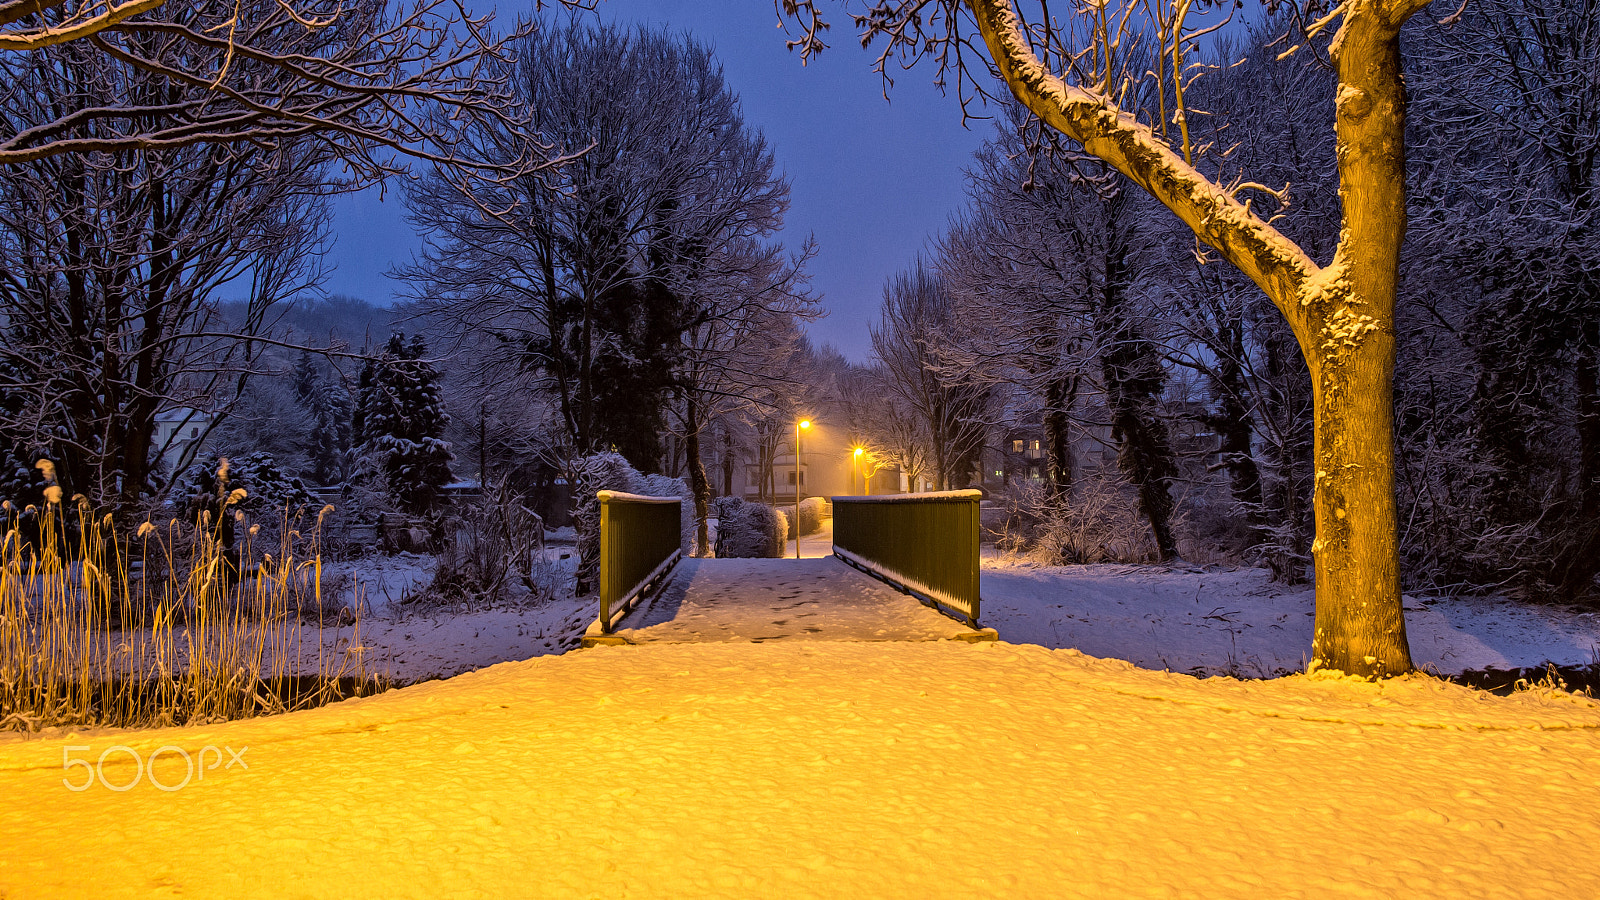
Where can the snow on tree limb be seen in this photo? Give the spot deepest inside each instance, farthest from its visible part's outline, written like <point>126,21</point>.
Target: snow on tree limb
<point>81,24</point>
<point>357,75</point>
<point>1271,260</point>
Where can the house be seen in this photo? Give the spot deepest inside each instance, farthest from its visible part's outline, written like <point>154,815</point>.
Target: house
<point>177,438</point>
<point>1021,454</point>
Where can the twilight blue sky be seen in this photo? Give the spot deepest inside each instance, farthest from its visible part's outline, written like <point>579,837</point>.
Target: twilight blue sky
<point>871,179</point>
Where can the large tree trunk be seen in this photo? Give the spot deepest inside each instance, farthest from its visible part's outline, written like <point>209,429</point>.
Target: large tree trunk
<point>1343,315</point>
<point>1360,626</point>
<point>1061,393</point>
<point>1586,384</point>
<point>698,482</point>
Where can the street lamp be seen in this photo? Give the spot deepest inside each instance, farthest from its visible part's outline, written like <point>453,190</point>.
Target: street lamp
<point>855,466</point>
<point>803,423</point>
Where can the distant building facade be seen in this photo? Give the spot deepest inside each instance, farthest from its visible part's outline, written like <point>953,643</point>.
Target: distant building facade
<point>178,435</point>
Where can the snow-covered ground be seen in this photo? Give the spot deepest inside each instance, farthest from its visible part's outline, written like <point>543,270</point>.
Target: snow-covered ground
<point>1203,621</point>
<point>378,582</point>
<point>754,600</point>
<point>1238,622</point>
<point>846,769</point>
<point>411,643</point>
<point>414,642</point>
<point>854,768</point>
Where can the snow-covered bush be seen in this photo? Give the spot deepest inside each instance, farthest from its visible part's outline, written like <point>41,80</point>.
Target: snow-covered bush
<point>596,473</point>
<point>749,530</point>
<point>494,545</point>
<point>1217,532</point>
<point>269,490</point>
<point>610,472</point>
<point>216,500</point>
<point>1098,523</point>
<point>811,512</point>
<point>775,522</point>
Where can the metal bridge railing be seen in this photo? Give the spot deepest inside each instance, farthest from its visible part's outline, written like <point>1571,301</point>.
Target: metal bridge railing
<point>640,539</point>
<point>926,544</point>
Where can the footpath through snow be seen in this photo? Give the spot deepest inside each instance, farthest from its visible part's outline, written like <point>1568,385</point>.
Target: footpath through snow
<point>936,769</point>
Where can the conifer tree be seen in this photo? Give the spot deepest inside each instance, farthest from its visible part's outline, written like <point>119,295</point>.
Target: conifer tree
<point>329,405</point>
<point>401,422</point>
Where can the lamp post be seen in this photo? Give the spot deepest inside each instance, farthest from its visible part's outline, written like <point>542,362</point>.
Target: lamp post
<point>855,467</point>
<point>803,423</point>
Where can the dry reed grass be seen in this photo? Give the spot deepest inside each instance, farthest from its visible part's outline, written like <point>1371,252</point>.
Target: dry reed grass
<point>164,626</point>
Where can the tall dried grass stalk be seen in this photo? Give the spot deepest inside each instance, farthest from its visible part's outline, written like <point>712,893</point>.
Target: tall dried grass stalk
<point>162,627</point>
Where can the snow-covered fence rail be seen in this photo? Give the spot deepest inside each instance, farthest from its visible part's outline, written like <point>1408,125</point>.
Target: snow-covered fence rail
<point>924,544</point>
<point>639,543</point>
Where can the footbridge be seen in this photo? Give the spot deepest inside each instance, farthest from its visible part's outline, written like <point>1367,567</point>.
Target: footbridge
<point>897,568</point>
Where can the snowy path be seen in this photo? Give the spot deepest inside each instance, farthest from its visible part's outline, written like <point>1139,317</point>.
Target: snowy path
<point>812,599</point>
<point>817,544</point>
<point>936,769</point>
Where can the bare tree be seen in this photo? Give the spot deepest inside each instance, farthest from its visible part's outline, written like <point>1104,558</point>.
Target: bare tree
<point>110,269</point>
<point>159,155</point>
<point>632,281</point>
<point>900,432</point>
<point>741,300</point>
<point>363,78</point>
<point>1511,227</point>
<point>1265,118</point>
<point>1071,73</point>
<point>1055,268</point>
<point>877,423</point>
<point>913,341</point>
<point>541,265</point>
<point>1016,263</point>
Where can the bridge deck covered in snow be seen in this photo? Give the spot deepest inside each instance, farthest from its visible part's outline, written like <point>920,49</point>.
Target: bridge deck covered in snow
<point>759,600</point>
<point>905,569</point>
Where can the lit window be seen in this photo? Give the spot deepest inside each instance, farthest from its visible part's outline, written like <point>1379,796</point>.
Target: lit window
<point>1016,446</point>
<point>1033,445</point>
